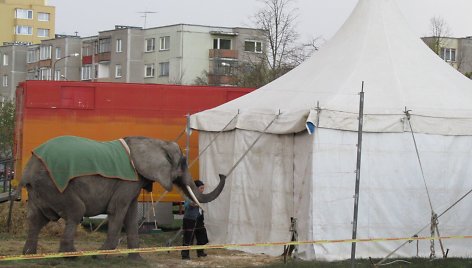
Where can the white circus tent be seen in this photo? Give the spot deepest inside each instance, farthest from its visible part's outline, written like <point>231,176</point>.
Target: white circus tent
<point>405,175</point>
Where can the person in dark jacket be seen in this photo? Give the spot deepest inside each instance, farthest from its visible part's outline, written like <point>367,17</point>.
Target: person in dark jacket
<point>193,225</point>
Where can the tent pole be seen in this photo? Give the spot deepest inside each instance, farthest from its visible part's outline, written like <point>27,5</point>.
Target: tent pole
<point>358,175</point>
<point>187,140</point>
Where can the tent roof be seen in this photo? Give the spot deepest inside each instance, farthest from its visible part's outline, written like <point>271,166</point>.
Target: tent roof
<point>375,45</point>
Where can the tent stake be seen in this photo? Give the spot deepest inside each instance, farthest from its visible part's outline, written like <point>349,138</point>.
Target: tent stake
<point>358,175</point>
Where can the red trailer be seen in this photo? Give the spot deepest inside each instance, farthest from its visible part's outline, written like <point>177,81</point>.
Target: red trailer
<point>108,111</point>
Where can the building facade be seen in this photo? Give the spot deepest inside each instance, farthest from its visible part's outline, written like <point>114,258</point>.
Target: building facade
<point>456,51</point>
<point>12,68</point>
<point>173,54</point>
<point>54,59</point>
<point>26,21</point>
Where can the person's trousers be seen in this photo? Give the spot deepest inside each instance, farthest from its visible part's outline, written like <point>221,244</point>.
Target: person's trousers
<point>194,229</point>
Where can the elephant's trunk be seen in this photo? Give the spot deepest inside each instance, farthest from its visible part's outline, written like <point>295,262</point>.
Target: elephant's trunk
<point>205,198</point>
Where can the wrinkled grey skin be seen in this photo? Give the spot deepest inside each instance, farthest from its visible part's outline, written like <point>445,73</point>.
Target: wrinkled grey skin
<point>87,196</point>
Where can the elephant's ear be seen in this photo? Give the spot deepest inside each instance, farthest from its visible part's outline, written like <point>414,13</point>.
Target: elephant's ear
<point>155,160</point>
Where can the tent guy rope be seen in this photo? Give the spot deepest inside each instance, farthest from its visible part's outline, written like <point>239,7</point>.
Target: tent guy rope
<point>434,218</point>
<point>212,140</point>
<point>252,145</point>
<point>424,227</point>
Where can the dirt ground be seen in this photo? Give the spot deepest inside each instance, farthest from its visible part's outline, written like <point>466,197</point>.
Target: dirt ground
<point>11,243</point>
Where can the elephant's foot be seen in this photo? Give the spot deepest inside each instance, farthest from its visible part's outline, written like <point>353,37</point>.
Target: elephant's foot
<point>67,246</point>
<point>135,257</point>
<point>30,247</point>
<point>29,251</point>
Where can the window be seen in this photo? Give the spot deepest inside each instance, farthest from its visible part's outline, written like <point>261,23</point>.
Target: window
<point>448,54</point>
<point>253,46</point>
<point>45,74</point>
<point>149,70</point>
<point>32,56</point>
<point>87,50</point>
<point>24,14</point>
<point>43,16</point>
<point>164,43</point>
<point>5,60</point>
<point>117,71</point>
<point>104,45</point>
<point>57,74</point>
<point>43,32</point>
<point>5,81</point>
<point>58,52</point>
<point>223,68</point>
<point>150,46</point>
<point>86,72</point>
<point>118,45</point>
<point>45,53</point>
<point>24,30</point>
<point>164,69</point>
<point>219,43</point>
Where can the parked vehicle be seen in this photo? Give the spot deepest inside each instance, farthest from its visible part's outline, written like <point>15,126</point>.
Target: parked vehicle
<point>108,111</point>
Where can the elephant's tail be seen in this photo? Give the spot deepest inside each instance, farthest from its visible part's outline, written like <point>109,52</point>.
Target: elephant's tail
<point>26,177</point>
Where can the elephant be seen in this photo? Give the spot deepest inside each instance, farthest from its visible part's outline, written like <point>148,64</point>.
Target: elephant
<point>90,195</point>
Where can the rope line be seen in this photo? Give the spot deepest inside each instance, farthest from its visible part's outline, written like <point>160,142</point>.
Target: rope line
<point>180,135</point>
<point>214,246</point>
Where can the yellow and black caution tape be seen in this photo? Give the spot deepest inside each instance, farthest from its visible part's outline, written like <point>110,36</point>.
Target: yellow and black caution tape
<point>216,246</point>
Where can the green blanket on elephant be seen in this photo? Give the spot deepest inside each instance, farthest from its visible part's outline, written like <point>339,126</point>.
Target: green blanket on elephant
<point>68,157</point>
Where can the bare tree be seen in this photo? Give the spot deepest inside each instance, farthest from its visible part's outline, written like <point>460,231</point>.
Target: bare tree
<point>304,51</point>
<point>439,31</point>
<point>277,18</point>
<point>201,80</point>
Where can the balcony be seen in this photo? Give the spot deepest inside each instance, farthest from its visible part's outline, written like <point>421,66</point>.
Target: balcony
<point>86,60</point>
<point>45,63</point>
<point>223,53</point>
<point>104,56</point>
<point>218,80</point>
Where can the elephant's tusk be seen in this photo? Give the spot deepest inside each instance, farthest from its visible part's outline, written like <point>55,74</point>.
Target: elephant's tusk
<point>193,197</point>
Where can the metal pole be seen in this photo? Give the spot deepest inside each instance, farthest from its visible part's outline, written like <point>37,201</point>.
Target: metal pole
<point>358,175</point>
<point>187,147</point>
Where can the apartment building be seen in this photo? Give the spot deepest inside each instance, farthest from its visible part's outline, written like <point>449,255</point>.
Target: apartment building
<point>26,21</point>
<point>173,54</point>
<point>456,51</point>
<point>114,56</point>
<point>54,59</point>
<point>12,68</point>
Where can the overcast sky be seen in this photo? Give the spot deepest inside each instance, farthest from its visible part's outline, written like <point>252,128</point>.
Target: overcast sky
<point>317,18</point>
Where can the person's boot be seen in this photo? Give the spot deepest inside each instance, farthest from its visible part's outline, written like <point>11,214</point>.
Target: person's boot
<point>201,253</point>
<point>185,255</point>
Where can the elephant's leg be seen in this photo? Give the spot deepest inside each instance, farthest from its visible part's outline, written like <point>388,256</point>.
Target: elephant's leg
<point>115,223</point>
<point>67,241</point>
<point>131,227</point>
<point>36,221</point>
<point>73,218</point>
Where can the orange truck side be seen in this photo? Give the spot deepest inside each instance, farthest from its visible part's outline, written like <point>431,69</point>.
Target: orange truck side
<point>108,111</point>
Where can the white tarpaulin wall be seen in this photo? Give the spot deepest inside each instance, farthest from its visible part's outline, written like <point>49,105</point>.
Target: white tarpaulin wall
<point>256,206</point>
<point>393,199</point>
<point>312,178</point>
<point>289,173</point>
